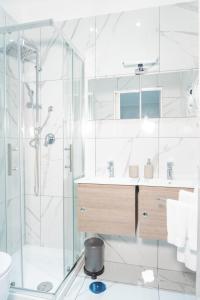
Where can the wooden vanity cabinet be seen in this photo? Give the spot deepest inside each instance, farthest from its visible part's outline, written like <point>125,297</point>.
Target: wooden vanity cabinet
<point>152,211</point>
<point>106,209</point>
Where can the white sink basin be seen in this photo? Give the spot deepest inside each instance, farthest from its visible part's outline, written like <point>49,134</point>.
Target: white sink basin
<point>167,183</point>
<point>108,180</point>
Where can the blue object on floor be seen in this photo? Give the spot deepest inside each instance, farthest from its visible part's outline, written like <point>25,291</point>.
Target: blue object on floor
<point>97,287</point>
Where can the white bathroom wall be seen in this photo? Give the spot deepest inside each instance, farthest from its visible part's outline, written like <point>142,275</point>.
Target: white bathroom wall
<point>134,141</point>
<point>107,41</point>
<point>68,9</point>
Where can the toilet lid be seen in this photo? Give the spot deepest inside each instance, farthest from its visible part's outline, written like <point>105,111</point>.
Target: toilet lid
<point>5,263</point>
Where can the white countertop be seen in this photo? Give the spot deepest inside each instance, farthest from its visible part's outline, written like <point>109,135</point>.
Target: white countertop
<point>137,181</point>
<point>108,180</point>
<point>167,183</point>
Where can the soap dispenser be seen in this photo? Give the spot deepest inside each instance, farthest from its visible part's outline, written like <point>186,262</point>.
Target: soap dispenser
<point>148,169</point>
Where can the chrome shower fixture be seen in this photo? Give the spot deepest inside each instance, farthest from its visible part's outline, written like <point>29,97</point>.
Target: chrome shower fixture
<point>49,139</point>
<point>141,67</point>
<point>26,26</point>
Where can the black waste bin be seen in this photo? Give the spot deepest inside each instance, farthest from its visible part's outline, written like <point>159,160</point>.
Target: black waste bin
<point>94,257</point>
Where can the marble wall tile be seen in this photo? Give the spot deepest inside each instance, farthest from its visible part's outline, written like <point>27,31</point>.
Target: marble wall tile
<point>143,149</point>
<point>117,150</point>
<point>13,225</point>
<point>29,109</point>
<point>173,108</point>
<point>33,220</point>
<point>166,295</point>
<point>12,102</point>
<point>51,54</point>
<point>51,221</point>
<point>130,250</point>
<point>184,152</point>
<point>177,281</point>
<point>29,167</point>
<point>127,274</point>
<point>112,38</point>
<point>179,127</point>
<point>127,128</point>
<point>179,37</point>
<point>52,95</point>
<point>52,169</point>
<point>90,157</point>
<point>167,258</point>
<point>81,33</point>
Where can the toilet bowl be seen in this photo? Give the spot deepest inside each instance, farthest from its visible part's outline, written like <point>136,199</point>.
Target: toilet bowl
<point>5,270</point>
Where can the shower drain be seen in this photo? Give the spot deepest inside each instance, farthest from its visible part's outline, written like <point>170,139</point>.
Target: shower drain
<point>45,287</point>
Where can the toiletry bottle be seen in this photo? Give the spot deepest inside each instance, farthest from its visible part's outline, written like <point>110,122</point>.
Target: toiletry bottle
<point>148,169</point>
<point>134,171</point>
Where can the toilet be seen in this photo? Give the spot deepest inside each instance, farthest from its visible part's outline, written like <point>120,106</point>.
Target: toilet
<point>5,270</point>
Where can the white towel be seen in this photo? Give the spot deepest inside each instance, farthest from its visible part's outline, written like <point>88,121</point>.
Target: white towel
<point>192,227</point>
<point>188,257</point>
<point>188,253</point>
<point>187,197</point>
<point>177,222</point>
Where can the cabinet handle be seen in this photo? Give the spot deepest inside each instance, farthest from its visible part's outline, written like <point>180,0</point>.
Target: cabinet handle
<point>145,214</point>
<point>161,199</point>
<point>82,209</point>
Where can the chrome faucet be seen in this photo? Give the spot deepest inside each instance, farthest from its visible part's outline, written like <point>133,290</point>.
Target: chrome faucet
<point>110,168</point>
<point>170,170</point>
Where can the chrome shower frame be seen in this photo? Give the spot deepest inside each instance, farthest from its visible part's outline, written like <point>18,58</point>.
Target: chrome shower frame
<point>26,26</point>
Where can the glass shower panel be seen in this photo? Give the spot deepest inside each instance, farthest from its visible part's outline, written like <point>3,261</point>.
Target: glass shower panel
<point>68,186</point>
<point>2,151</point>
<point>78,148</point>
<point>12,153</point>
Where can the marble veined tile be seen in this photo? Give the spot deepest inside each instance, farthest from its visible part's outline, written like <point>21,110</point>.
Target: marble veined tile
<point>166,295</point>
<point>33,220</point>
<point>130,250</point>
<point>128,274</point>
<point>52,96</point>
<point>52,168</point>
<point>51,53</point>
<point>117,150</point>
<point>177,281</point>
<point>178,37</point>
<point>115,291</point>
<point>52,222</point>
<point>112,38</point>
<point>184,156</point>
<point>127,128</point>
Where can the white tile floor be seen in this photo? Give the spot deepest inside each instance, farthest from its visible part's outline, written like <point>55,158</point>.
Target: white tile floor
<point>118,291</point>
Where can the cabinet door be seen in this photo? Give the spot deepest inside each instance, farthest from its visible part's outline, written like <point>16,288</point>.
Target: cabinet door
<point>152,211</point>
<point>106,209</point>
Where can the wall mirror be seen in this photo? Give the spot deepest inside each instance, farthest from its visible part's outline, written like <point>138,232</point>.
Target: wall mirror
<point>163,95</point>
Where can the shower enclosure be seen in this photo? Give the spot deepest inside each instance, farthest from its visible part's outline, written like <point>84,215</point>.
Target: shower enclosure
<point>41,153</point>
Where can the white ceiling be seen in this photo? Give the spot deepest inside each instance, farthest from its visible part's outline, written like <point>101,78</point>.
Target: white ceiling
<point>29,10</point>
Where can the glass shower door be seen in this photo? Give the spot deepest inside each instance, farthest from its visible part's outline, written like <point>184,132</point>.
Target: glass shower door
<point>2,151</point>
<point>73,154</point>
<point>11,116</point>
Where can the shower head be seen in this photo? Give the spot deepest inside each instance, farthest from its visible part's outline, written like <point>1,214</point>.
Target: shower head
<point>27,51</point>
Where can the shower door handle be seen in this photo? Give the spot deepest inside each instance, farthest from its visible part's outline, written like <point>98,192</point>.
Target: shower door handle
<point>70,158</point>
<point>10,159</point>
